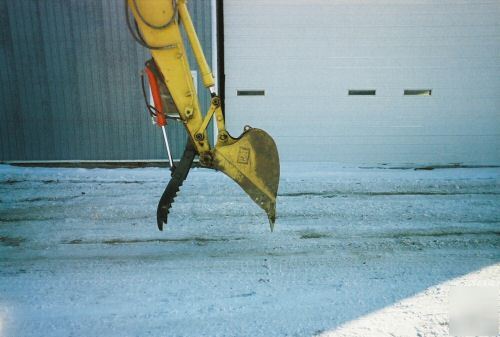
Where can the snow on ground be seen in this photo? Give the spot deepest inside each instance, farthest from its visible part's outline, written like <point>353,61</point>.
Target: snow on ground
<point>424,314</point>
<point>355,252</point>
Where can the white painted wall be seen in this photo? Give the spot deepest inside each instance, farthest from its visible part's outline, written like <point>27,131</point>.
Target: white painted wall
<point>306,54</point>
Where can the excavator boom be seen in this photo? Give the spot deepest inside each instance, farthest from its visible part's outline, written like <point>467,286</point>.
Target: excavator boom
<point>251,159</point>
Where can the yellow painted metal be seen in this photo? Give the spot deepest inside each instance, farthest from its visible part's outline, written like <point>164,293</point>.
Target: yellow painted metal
<point>208,117</point>
<point>172,61</point>
<point>251,160</point>
<point>206,73</point>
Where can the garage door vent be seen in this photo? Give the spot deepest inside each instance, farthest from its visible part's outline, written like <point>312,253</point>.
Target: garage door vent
<point>356,92</point>
<point>418,92</point>
<point>251,93</point>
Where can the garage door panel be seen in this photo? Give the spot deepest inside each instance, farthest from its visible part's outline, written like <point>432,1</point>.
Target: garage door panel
<point>474,90</point>
<point>361,33</point>
<point>483,60</point>
<point>379,150</point>
<point>382,126</point>
<point>324,74</point>
<point>343,47</point>
<point>420,106</point>
<point>338,87</point>
<point>403,14</point>
<point>395,142</point>
<point>379,127</point>
<point>312,71</point>
<point>307,51</point>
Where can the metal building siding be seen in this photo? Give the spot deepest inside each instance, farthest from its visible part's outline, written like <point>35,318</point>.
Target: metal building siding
<point>70,86</point>
<point>306,55</point>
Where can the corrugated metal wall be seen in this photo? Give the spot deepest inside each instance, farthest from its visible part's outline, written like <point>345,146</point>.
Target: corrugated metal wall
<point>69,82</point>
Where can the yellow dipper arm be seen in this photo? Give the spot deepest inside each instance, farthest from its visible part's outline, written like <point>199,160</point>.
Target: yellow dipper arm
<point>172,58</point>
<point>251,160</point>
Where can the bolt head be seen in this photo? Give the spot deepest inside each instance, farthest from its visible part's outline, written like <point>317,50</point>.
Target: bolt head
<point>216,101</point>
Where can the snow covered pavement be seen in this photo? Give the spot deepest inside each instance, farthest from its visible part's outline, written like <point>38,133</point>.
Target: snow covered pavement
<point>355,252</point>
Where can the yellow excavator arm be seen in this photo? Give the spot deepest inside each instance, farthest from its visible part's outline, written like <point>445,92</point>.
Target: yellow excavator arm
<point>251,159</point>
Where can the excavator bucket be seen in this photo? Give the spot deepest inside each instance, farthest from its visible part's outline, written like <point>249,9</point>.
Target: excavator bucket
<point>252,161</point>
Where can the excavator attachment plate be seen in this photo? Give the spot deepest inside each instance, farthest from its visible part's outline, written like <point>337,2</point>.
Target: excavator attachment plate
<point>252,161</point>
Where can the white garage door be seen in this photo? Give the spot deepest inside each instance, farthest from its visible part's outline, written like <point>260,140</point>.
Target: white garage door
<point>305,55</point>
